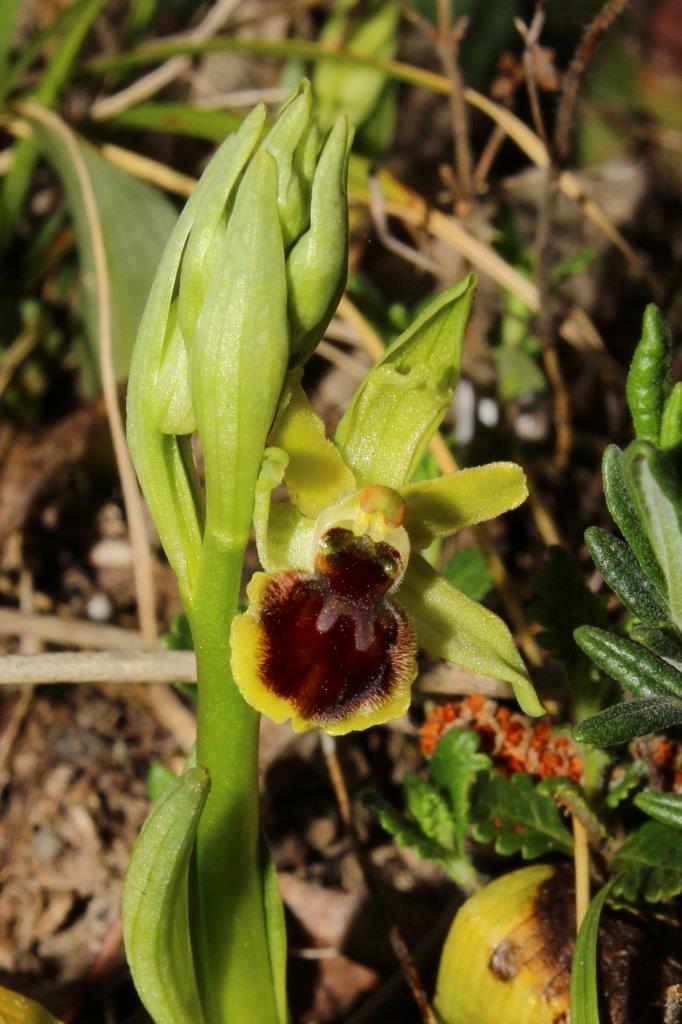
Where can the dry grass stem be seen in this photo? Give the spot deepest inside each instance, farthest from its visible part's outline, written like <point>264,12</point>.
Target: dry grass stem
<point>98,667</point>
<point>160,77</point>
<point>56,629</point>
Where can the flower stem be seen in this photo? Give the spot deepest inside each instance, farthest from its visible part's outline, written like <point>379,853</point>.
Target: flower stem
<point>229,928</point>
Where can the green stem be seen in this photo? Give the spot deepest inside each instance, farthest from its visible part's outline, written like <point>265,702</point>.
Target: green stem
<point>229,927</point>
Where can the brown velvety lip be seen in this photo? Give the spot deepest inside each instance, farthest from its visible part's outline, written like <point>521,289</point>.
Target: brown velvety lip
<point>331,643</point>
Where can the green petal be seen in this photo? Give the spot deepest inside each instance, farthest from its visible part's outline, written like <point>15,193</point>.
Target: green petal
<point>437,508</point>
<point>284,537</point>
<point>450,625</point>
<point>315,474</point>
<point>400,404</point>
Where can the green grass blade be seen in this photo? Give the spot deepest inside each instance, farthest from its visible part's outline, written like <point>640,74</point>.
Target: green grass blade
<point>179,119</point>
<point>8,16</point>
<point>584,991</point>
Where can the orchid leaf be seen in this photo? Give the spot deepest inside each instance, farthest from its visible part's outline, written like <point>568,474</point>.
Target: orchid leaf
<point>440,507</point>
<point>315,474</point>
<point>155,903</point>
<point>450,625</point>
<point>584,990</point>
<point>400,404</point>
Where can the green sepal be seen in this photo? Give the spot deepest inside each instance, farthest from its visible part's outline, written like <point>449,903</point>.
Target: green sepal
<point>657,496</point>
<point>623,722</point>
<point>317,265</point>
<point>155,912</point>
<point>175,414</point>
<point>216,193</point>
<point>440,507</point>
<point>671,423</point>
<point>315,474</point>
<point>400,404</point>
<point>625,516</point>
<point>633,666</point>
<point>282,142</point>
<point>239,353</point>
<point>284,537</point>
<point>648,384</point>
<point>450,625</point>
<point>623,574</point>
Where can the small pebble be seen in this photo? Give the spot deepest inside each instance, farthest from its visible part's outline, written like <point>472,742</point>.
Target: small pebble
<point>99,608</point>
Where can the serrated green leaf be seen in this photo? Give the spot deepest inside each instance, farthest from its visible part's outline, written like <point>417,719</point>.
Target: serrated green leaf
<point>630,664</point>
<point>430,810</point>
<point>468,570</point>
<point>664,807</point>
<point>621,785</point>
<point>519,817</point>
<point>648,383</point>
<point>453,767</point>
<point>565,602</point>
<point>155,912</point>
<point>625,516</point>
<point>403,830</point>
<point>623,722</point>
<point>584,990</point>
<point>660,644</point>
<point>657,495</point>
<point>648,866</point>
<point>623,574</point>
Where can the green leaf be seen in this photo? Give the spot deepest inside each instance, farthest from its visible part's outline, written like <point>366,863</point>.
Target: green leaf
<point>626,517</point>
<point>584,990</point>
<point>661,644</point>
<point>623,574</point>
<point>664,807</point>
<point>630,664</point>
<point>404,831</point>
<point>468,570</point>
<point>519,817</point>
<point>178,119</point>
<point>135,220</point>
<point>657,496</point>
<point>402,400</point>
<point>17,1009</point>
<point>671,424</point>
<point>648,866</point>
<point>450,625</point>
<point>159,780</point>
<point>565,602</point>
<point>430,810</point>
<point>648,383</point>
<point>517,373</point>
<point>440,507</point>
<point>573,265</point>
<point>8,16</point>
<point>623,722</point>
<point>621,783</point>
<point>453,767</point>
<point>52,80</point>
<point>155,910</point>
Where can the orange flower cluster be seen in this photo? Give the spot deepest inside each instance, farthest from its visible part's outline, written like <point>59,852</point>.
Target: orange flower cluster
<point>667,757</point>
<point>509,738</point>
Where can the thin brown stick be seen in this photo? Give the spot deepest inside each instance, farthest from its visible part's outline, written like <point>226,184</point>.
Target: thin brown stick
<point>531,35</point>
<point>398,944</point>
<point>162,76</point>
<point>56,629</point>
<point>377,209</point>
<point>117,667</point>
<point>16,353</point>
<point>581,860</point>
<point>142,564</point>
<point>448,43</point>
